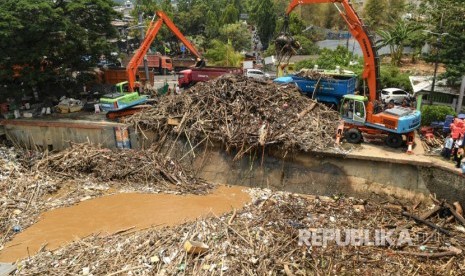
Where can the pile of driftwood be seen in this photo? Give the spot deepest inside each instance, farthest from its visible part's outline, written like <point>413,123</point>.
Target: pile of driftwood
<point>129,165</point>
<point>432,144</point>
<point>313,74</point>
<point>243,114</point>
<point>272,236</point>
<point>21,192</point>
<point>32,183</point>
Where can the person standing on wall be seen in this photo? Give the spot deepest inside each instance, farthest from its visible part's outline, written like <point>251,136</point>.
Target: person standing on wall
<point>459,157</point>
<point>457,145</point>
<point>448,144</point>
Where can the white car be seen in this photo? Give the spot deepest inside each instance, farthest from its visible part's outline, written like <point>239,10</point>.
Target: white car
<point>394,94</point>
<point>256,74</point>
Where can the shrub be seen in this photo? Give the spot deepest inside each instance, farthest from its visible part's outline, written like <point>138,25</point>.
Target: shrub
<point>392,77</point>
<point>329,59</point>
<point>431,113</point>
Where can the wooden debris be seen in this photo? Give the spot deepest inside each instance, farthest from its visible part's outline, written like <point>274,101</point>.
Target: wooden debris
<point>263,240</point>
<point>243,114</point>
<point>195,247</point>
<point>29,184</point>
<point>430,224</point>
<point>431,255</point>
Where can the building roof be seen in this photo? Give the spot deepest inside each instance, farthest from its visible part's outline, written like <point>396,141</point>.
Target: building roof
<point>422,84</point>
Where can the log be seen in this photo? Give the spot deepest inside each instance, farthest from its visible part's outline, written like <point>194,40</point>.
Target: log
<point>454,213</point>
<point>429,255</point>
<point>428,223</point>
<point>431,212</point>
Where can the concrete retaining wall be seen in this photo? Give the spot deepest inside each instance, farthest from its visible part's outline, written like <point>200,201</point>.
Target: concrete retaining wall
<point>57,135</point>
<point>314,174</point>
<point>311,173</point>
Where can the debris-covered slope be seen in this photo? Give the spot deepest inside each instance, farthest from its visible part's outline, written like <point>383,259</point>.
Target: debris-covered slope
<point>263,239</point>
<point>243,114</point>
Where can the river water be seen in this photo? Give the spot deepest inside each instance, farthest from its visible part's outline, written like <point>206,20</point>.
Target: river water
<point>109,214</point>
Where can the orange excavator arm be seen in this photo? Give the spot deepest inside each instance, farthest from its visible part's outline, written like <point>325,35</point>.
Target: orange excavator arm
<point>357,29</point>
<point>152,31</point>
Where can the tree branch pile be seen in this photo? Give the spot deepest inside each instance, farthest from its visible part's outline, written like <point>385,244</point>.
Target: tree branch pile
<point>244,114</point>
<point>314,74</point>
<point>115,165</point>
<point>32,183</point>
<point>263,239</point>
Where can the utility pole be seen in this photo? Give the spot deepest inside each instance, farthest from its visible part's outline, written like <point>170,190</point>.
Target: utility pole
<point>436,61</point>
<point>458,108</point>
<point>142,37</point>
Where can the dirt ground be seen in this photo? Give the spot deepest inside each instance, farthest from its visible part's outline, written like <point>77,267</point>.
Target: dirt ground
<point>419,67</point>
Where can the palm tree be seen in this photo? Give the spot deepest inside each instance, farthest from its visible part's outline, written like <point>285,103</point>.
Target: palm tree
<point>397,37</point>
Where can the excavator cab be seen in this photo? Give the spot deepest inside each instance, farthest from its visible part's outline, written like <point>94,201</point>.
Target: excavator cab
<point>353,109</point>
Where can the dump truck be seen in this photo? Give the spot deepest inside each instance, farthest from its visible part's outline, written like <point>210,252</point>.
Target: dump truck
<point>119,74</point>
<point>326,86</point>
<point>129,96</point>
<point>362,114</point>
<point>192,76</point>
<point>160,64</point>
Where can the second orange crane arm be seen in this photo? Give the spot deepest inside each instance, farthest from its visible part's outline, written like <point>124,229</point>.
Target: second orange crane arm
<point>357,29</point>
<point>152,31</point>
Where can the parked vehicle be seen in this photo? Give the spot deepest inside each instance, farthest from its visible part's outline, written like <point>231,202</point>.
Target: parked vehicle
<point>396,95</point>
<point>161,64</point>
<point>359,112</point>
<point>256,74</point>
<point>329,90</point>
<point>190,77</point>
<point>129,97</point>
<point>180,64</point>
<point>114,76</point>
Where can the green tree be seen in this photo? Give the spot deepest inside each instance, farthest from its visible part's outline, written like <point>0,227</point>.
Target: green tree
<point>395,10</point>
<point>397,37</point>
<point>237,34</point>
<point>230,15</point>
<point>374,13</point>
<point>307,47</point>
<point>446,16</point>
<point>265,19</point>
<point>391,76</point>
<point>212,28</point>
<point>50,38</point>
<point>223,54</point>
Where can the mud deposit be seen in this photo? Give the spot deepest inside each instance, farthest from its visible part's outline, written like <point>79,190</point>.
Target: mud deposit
<point>109,214</point>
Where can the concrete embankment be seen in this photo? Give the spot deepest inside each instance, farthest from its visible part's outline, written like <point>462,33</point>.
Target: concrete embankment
<point>362,171</point>
<point>335,174</point>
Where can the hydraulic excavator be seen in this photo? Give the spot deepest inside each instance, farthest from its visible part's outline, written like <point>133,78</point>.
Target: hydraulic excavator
<point>361,113</point>
<point>127,97</point>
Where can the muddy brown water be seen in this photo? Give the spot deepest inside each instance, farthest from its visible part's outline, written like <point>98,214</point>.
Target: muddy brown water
<point>110,214</point>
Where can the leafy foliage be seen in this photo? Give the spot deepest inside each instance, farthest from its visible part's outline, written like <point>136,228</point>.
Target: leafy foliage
<point>47,38</point>
<point>397,37</point>
<point>307,46</point>
<point>446,16</point>
<point>265,18</point>
<point>431,113</point>
<point>223,54</point>
<point>237,34</point>
<point>230,15</point>
<point>329,59</point>
<point>392,77</point>
<point>374,13</point>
